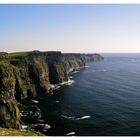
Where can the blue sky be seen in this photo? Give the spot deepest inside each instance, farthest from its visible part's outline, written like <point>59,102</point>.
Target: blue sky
<point>70,28</point>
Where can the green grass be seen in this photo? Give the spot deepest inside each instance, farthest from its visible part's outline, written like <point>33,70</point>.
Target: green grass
<point>14,132</point>
<point>4,64</point>
<point>19,54</point>
<point>26,86</point>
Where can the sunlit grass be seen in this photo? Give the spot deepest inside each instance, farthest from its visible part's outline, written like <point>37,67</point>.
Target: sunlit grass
<point>19,54</point>
<point>14,132</point>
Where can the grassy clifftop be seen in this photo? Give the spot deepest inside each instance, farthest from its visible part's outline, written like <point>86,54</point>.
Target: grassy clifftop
<point>14,132</point>
<point>19,54</point>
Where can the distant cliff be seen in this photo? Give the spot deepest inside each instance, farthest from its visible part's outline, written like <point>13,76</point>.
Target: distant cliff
<point>28,74</point>
<point>93,57</point>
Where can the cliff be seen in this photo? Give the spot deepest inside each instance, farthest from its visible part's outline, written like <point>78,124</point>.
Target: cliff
<point>37,71</point>
<point>28,74</point>
<point>93,57</point>
<point>9,113</point>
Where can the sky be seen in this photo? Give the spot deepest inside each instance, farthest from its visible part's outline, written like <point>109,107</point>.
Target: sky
<point>92,28</point>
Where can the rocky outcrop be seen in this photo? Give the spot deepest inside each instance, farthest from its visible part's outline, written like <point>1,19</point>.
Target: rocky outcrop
<point>30,74</point>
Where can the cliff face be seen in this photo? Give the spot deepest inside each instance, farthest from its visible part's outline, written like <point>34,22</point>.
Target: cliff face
<point>73,62</point>
<point>9,113</point>
<point>36,72</point>
<point>57,71</point>
<point>30,74</point>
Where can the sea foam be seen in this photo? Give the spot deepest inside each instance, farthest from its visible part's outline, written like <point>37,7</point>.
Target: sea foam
<point>74,118</point>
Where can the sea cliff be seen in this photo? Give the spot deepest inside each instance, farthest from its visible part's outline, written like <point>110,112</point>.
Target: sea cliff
<point>29,74</point>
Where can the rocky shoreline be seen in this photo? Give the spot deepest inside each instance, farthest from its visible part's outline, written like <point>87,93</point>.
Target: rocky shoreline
<point>31,117</point>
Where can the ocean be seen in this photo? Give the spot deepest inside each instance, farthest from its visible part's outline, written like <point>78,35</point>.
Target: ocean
<point>103,100</point>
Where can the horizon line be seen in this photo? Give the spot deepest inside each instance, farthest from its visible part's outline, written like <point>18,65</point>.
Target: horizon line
<point>72,52</point>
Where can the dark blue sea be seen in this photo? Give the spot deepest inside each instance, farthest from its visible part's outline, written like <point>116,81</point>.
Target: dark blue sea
<point>104,100</point>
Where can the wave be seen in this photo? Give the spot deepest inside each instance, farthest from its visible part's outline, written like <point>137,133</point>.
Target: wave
<point>24,127</point>
<point>68,117</point>
<point>58,86</point>
<point>35,101</point>
<point>104,70</point>
<point>71,133</point>
<point>57,101</point>
<point>84,117</point>
<point>86,66</point>
<point>70,77</point>
<point>69,82</point>
<point>74,118</point>
<point>74,72</point>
